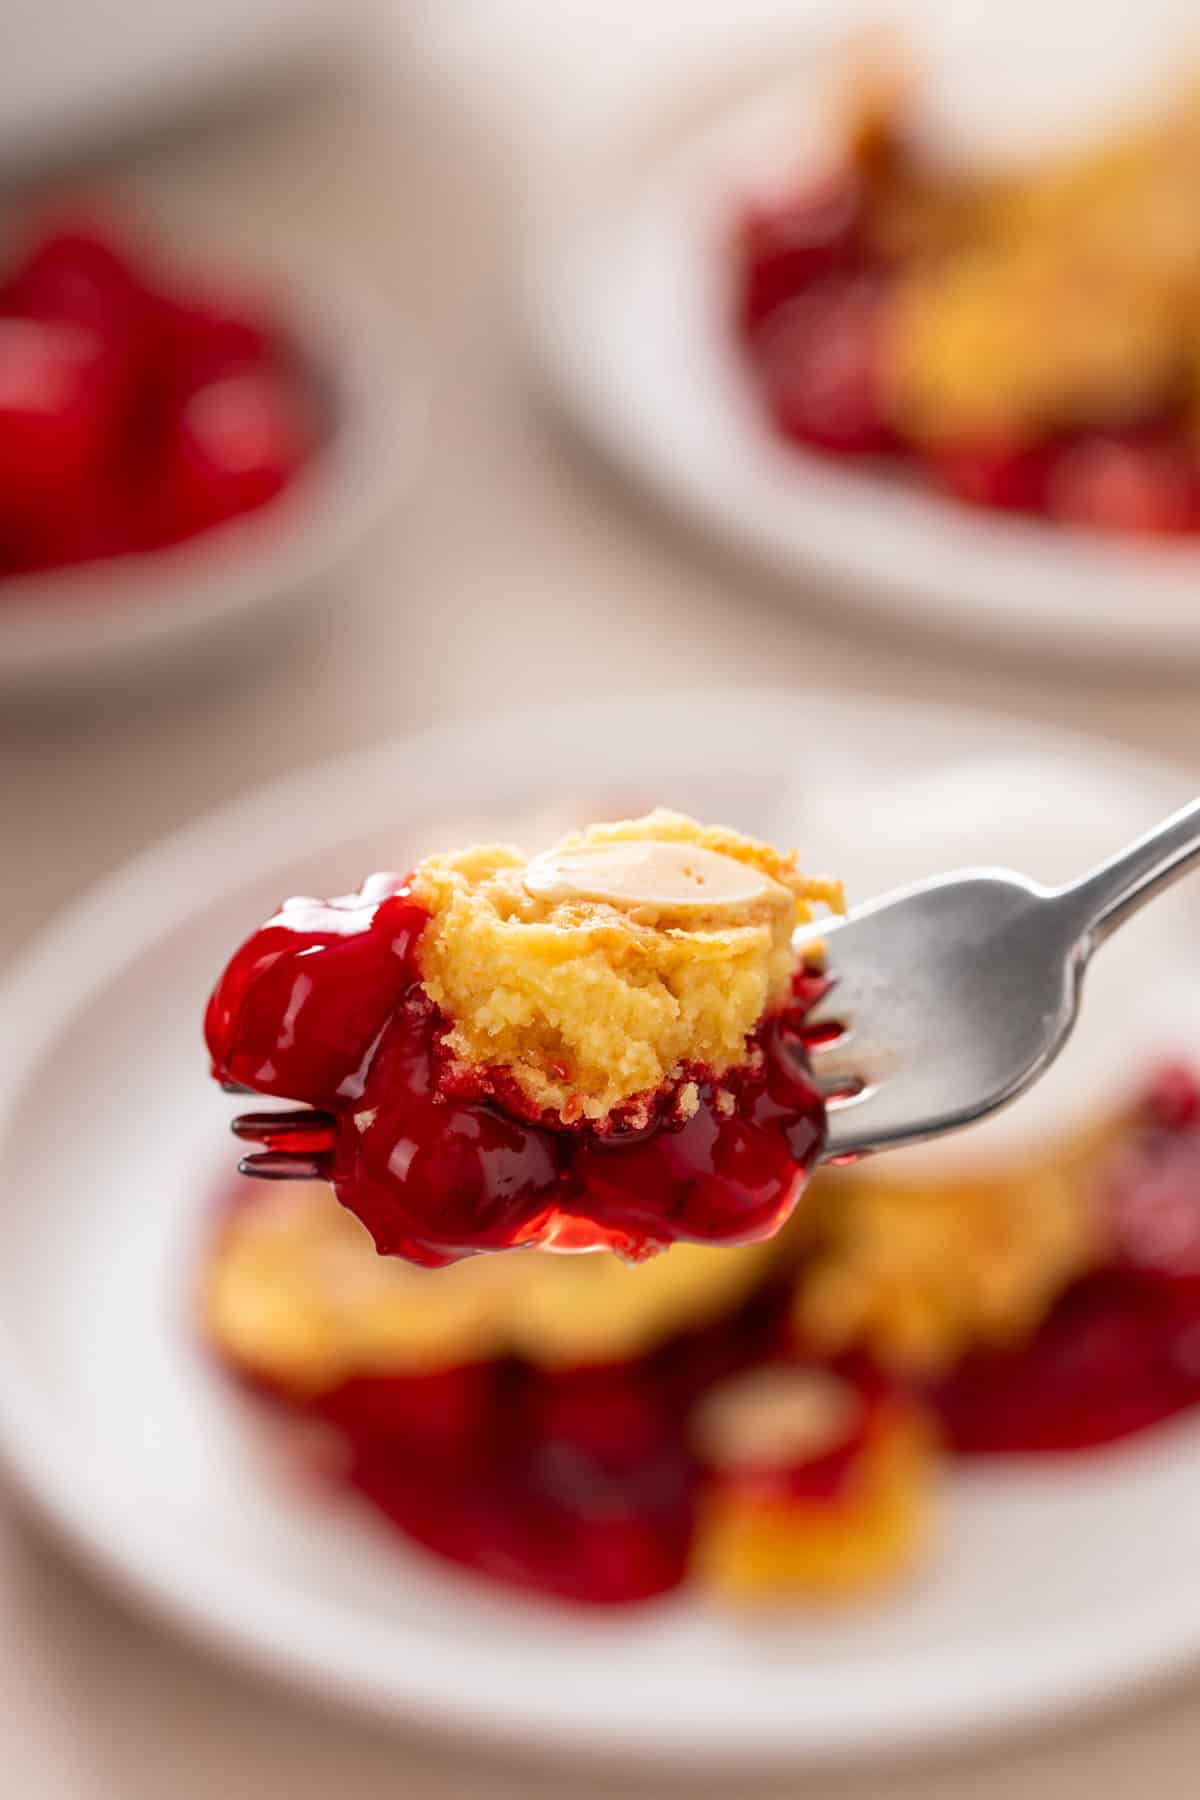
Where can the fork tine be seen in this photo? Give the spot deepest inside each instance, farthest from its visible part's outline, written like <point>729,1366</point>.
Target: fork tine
<point>283,1165</point>
<point>280,1127</point>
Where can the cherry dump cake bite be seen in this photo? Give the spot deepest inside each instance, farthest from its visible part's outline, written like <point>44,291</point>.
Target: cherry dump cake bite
<point>602,1046</point>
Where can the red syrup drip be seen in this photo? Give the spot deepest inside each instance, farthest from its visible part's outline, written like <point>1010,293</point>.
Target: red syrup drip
<point>323,1005</point>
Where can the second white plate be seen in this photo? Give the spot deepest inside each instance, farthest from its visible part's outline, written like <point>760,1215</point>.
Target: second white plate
<point>626,290</point>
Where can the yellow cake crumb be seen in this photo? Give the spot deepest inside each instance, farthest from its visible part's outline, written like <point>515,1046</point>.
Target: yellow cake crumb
<point>1058,294</point>
<point>919,1271</point>
<point>594,994</point>
<point>1002,341</point>
<point>294,1294</point>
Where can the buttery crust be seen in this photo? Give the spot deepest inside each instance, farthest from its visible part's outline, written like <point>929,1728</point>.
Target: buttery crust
<point>1063,294</point>
<point>590,1005</point>
<point>920,1271</point>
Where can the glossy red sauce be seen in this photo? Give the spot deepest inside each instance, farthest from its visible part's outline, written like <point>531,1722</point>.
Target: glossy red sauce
<point>576,1483</point>
<point>811,308</point>
<point>1121,1349</point>
<point>324,1006</point>
<point>580,1483</point>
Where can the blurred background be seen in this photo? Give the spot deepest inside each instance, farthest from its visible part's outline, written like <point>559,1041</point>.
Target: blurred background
<point>290,463</point>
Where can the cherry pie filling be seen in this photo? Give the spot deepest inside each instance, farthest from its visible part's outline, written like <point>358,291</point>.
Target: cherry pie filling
<point>592,1484</point>
<point>1120,1351</point>
<point>817,272</point>
<point>325,1006</point>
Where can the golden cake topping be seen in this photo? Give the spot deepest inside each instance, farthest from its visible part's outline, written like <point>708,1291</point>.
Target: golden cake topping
<point>1061,294</point>
<point>593,975</point>
<point>920,1271</point>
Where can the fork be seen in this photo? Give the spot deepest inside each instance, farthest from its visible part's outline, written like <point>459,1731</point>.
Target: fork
<point>956,994</point>
<point>948,999</point>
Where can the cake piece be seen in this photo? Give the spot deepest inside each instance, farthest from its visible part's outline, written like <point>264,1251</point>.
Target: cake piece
<point>599,1046</point>
<point>920,1269</point>
<point>585,982</point>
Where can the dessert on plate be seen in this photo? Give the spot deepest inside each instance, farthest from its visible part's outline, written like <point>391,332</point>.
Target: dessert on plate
<point>1024,339</point>
<point>758,1425</point>
<point>766,1424</point>
<point>590,1429</point>
<point>603,1045</point>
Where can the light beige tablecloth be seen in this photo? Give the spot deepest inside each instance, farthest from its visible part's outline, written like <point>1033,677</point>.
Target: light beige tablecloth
<point>516,566</point>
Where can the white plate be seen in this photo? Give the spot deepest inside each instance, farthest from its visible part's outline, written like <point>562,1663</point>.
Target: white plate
<point>626,295</point>
<point>132,616</point>
<point>1051,1587</point>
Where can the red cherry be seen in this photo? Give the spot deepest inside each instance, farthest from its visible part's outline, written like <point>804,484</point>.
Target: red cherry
<point>234,446</point>
<point>203,337</point>
<point>1126,484</point>
<point>106,519</point>
<point>597,1546</point>
<point>444,1415</point>
<point>1114,1357</point>
<point>1004,478</point>
<point>819,364</point>
<point>79,272</point>
<point>613,1415</point>
<point>429,1178</point>
<point>1173,1101</point>
<point>57,413</point>
<point>297,1008</point>
<point>784,246</point>
<point>1154,1206</point>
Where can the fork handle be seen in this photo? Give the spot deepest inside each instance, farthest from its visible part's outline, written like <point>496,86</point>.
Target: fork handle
<point>1120,887</point>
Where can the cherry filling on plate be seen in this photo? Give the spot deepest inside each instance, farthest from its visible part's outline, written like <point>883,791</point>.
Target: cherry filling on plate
<point>576,1427</point>
<point>138,408</point>
<point>1120,1349</point>
<point>762,1424</point>
<point>1023,340</point>
<point>604,1046</point>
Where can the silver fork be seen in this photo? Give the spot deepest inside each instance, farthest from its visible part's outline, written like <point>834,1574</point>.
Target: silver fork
<point>954,995</point>
<point>948,999</point>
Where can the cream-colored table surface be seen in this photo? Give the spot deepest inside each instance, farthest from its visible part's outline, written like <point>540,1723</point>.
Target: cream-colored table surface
<point>516,567</point>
